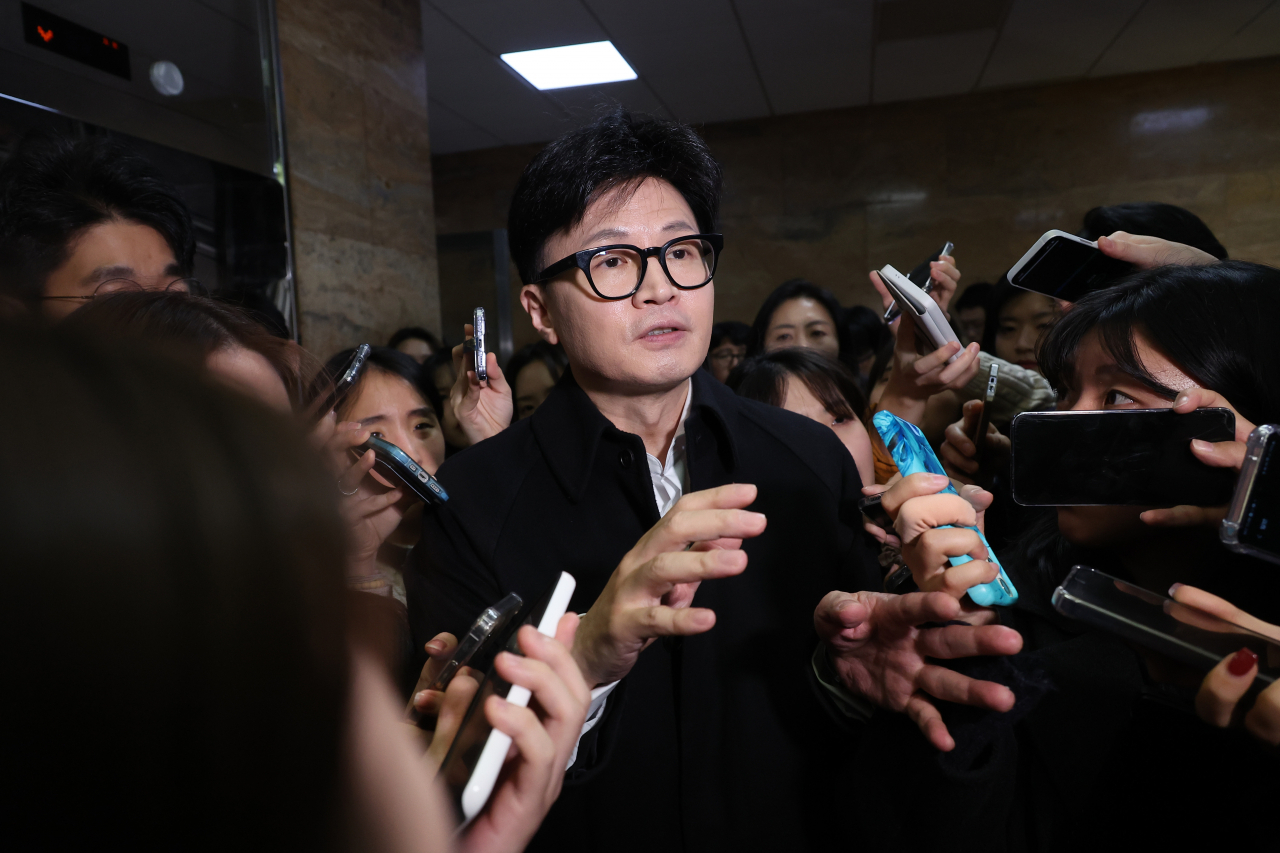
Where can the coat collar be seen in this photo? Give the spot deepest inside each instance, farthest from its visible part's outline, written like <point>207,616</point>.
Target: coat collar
<point>568,428</point>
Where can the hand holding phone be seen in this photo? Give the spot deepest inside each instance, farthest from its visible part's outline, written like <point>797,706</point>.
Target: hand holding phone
<point>922,277</point>
<point>912,454</point>
<point>929,318</point>
<point>979,436</point>
<point>1064,266</point>
<point>399,469</point>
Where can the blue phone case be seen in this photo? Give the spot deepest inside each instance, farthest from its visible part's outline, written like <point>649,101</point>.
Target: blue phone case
<point>912,454</point>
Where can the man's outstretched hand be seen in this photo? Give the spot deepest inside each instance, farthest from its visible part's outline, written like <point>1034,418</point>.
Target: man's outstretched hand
<point>876,645</point>
<point>650,593</point>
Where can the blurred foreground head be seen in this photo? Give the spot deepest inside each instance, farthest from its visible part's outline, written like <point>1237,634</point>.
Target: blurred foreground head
<point>173,628</point>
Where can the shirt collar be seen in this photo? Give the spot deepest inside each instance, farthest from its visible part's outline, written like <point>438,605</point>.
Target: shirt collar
<point>568,427</point>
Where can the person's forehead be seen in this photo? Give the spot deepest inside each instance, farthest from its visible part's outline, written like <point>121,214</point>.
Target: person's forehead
<point>800,308</point>
<point>651,205</point>
<point>383,393</point>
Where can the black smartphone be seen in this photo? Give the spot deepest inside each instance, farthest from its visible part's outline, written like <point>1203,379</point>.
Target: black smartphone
<point>920,277</point>
<point>980,434</point>
<point>479,347</point>
<point>476,648</point>
<point>398,468</point>
<point>871,508</point>
<point>1186,634</point>
<point>1066,267</point>
<point>341,384</point>
<point>1139,457</point>
<point>1252,525</point>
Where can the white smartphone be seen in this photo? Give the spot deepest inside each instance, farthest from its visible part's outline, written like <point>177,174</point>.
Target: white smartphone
<point>1066,267</point>
<point>478,751</point>
<point>928,316</point>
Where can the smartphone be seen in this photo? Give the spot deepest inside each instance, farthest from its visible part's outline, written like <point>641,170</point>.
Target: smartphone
<point>396,466</point>
<point>928,316</point>
<point>980,434</point>
<point>921,277</point>
<point>478,346</point>
<point>871,508</point>
<point>1186,634</point>
<point>1066,267</point>
<point>475,645</point>
<point>341,385</point>
<point>1136,457</point>
<point>1252,525</point>
<point>912,454</point>
<point>478,752</point>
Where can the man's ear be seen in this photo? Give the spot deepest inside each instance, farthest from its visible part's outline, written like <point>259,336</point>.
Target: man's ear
<point>534,300</point>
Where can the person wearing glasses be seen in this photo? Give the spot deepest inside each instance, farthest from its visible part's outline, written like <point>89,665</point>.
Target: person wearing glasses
<point>85,219</point>
<point>702,528</point>
<point>727,349</point>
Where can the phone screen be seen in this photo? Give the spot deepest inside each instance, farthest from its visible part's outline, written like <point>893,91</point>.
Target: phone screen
<point>1065,269</point>
<point>1139,457</point>
<point>1186,634</point>
<point>1260,524</point>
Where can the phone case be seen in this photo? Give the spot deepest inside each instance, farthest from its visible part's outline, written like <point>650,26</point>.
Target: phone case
<point>1249,474</point>
<point>1186,634</point>
<point>488,626</point>
<point>394,463</point>
<point>921,278</point>
<point>912,454</point>
<point>1016,270</point>
<point>479,346</point>
<point>929,317</point>
<point>480,785</point>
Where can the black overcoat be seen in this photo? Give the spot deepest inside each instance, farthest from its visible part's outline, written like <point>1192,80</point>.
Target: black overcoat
<point>716,742</point>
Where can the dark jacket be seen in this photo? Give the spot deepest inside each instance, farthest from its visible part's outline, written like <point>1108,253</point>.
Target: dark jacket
<point>715,742</point>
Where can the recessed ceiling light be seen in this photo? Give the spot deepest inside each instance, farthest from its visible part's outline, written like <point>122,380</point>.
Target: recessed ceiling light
<point>571,65</point>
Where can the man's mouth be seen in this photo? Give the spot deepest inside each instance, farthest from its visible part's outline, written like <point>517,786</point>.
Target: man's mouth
<point>666,330</point>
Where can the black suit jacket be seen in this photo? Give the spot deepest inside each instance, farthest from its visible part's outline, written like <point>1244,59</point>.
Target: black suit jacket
<point>714,742</point>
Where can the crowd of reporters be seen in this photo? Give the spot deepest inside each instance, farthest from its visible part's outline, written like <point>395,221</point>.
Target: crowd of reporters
<point>222,619</point>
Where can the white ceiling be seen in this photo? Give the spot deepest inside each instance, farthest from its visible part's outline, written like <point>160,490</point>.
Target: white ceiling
<point>703,61</point>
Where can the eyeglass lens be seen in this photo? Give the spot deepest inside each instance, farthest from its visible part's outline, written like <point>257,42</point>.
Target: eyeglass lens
<point>616,272</point>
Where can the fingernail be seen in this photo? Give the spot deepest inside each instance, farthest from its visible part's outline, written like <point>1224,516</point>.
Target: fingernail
<point>1173,590</point>
<point>419,697</point>
<point>1201,445</point>
<point>1241,662</point>
<point>843,605</point>
<point>1180,399</point>
<point>938,480</point>
<point>435,646</point>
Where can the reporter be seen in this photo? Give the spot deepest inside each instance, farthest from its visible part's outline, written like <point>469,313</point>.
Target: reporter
<point>205,574</point>
<point>821,389</point>
<point>1109,739</point>
<point>798,313</point>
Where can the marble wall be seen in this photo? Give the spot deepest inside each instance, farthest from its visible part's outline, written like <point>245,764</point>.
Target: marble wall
<point>829,195</point>
<point>355,93</point>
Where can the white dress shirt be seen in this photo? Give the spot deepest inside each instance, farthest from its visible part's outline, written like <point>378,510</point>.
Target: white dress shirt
<point>670,479</point>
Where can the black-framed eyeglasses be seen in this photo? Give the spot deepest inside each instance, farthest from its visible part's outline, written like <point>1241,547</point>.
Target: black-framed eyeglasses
<point>128,285</point>
<point>617,271</point>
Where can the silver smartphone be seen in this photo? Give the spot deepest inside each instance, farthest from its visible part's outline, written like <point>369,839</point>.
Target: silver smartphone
<point>1252,525</point>
<point>479,346</point>
<point>1185,634</point>
<point>980,435</point>
<point>921,278</point>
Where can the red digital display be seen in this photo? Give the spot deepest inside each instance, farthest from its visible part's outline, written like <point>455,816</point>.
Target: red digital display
<point>66,38</point>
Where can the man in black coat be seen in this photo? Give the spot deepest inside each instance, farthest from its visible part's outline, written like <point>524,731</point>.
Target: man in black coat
<point>635,475</point>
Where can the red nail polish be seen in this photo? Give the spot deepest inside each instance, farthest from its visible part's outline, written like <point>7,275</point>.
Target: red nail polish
<point>1241,662</point>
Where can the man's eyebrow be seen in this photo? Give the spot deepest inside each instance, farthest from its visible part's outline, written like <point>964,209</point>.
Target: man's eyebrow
<point>104,273</point>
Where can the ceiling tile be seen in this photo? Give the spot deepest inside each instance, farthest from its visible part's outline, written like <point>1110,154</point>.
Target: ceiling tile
<point>1054,39</point>
<point>504,26</point>
<point>812,54</point>
<point>1172,33</point>
<point>478,87</point>
<point>1260,37</point>
<point>450,132</point>
<point>697,66</point>
<point>930,67</point>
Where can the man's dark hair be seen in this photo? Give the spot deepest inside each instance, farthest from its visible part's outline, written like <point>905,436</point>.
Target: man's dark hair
<point>1152,219</point>
<point>796,288</point>
<point>415,333</point>
<point>618,150</point>
<point>975,295</point>
<point>53,189</point>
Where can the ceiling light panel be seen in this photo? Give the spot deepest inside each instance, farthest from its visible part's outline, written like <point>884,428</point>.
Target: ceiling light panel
<point>571,65</point>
